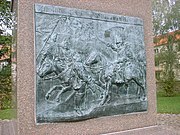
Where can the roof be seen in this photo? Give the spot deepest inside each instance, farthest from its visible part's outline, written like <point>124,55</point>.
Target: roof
<point>163,39</point>
<point>5,56</point>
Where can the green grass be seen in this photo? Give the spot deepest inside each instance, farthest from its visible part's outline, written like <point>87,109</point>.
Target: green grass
<point>7,114</point>
<point>168,104</point>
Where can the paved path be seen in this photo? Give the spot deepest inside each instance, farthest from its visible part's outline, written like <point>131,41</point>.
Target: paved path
<point>154,130</point>
<point>8,127</point>
<point>168,124</point>
<point>171,120</point>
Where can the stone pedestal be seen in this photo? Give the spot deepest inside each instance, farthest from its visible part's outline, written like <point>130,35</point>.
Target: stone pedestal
<point>26,71</point>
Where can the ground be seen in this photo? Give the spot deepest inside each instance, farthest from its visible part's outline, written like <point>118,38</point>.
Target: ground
<point>168,124</point>
<point>170,120</point>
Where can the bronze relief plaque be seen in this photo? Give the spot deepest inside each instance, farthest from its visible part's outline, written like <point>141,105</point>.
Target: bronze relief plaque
<point>88,64</point>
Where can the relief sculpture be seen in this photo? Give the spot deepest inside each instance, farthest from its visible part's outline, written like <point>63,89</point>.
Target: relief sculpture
<point>88,64</point>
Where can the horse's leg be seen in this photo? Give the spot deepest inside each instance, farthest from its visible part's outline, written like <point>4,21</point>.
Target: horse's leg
<point>63,90</point>
<point>101,79</point>
<point>138,92</point>
<point>106,95</point>
<point>126,88</point>
<point>78,100</point>
<point>70,96</point>
<point>118,88</point>
<point>140,89</point>
<point>48,94</point>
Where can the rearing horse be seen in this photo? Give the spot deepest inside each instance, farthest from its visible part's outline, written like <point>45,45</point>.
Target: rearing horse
<point>50,65</point>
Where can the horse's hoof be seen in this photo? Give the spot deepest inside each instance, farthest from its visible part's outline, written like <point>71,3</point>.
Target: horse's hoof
<point>47,96</point>
<point>143,99</point>
<point>58,100</point>
<point>101,96</point>
<point>102,102</point>
<point>79,113</point>
<point>108,99</point>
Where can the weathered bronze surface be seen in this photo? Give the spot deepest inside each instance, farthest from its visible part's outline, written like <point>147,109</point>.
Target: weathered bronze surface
<point>88,64</point>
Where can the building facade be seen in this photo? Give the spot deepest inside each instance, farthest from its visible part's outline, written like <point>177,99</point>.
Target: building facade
<point>3,59</point>
<point>168,44</point>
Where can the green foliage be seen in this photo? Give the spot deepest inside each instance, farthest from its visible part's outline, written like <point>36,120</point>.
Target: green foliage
<point>5,14</point>
<point>165,19</point>
<point>173,23</point>
<point>5,88</point>
<point>168,87</point>
<point>5,41</point>
<point>165,16</point>
<point>168,104</point>
<point>7,114</point>
<point>6,71</point>
<point>169,59</point>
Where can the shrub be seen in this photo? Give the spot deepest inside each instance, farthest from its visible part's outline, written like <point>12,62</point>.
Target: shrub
<point>5,88</point>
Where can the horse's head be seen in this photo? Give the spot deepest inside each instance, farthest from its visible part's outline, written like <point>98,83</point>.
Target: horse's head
<point>51,65</point>
<point>45,68</point>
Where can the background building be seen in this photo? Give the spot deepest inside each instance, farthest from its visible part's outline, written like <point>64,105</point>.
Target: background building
<point>160,46</point>
<point>4,59</point>
<point>167,58</point>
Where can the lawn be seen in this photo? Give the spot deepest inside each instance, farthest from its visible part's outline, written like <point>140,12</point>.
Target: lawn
<point>7,114</point>
<point>168,104</point>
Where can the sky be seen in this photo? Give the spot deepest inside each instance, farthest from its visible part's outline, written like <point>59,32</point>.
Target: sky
<point>7,31</point>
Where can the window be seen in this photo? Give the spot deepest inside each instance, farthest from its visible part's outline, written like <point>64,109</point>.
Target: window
<point>156,50</point>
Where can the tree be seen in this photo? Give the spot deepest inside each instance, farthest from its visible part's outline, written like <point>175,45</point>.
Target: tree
<point>166,16</point>
<point>6,21</point>
<point>5,88</point>
<point>169,59</point>
<point>166,19</point>
<point>5,14</point>
<point>5,42</point>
